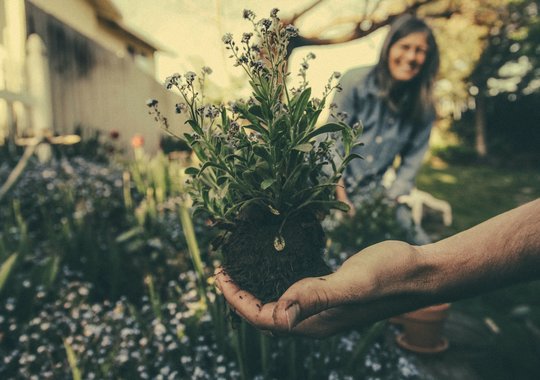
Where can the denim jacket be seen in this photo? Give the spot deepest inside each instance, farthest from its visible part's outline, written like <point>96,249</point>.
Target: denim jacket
<point>385,136</point>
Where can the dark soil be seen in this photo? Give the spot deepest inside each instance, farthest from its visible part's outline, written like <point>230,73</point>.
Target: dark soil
<point>251,260</point>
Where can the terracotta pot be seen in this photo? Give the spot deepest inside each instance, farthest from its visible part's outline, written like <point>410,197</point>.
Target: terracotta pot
<point>422,329</point>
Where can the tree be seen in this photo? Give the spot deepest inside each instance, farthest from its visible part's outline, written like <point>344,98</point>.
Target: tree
<point>509,60</point>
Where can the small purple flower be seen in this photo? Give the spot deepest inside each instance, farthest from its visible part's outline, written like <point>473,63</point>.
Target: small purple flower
<point>172,80</point>
<point>190,77</point>
<point>246,37</point>
<point>248,14</point>
<point>241,60</point>
<point>266,23</point>
<point>180,107</point>
<point>151,102</point>
<point>292,31</point>
<point>257,65</point>
<point>227,38</point>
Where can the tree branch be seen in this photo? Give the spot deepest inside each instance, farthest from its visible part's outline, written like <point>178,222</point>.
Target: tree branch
<point>357,31</point>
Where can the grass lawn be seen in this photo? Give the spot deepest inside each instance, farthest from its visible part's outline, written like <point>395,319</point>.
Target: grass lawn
<point>477,193</point>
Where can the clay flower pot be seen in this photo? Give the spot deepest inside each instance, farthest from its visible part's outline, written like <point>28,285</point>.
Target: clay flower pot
<point>422,329</point>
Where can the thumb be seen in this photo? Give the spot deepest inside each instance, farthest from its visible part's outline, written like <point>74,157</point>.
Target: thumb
<point>302,300</point>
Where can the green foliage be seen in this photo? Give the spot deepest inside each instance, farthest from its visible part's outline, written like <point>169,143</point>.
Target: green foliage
<point>479,192</point>
<point>112,226</point>
<point>5,269</point>
<point>266,150</point>
<point>374,221</point>
<point>510,57</point>
<point>456,154</point>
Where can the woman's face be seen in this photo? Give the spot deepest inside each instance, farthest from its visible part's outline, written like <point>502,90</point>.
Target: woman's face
<point>407,56</point>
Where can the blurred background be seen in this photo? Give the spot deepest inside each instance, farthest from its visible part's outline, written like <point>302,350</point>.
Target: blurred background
<point>96,269</point>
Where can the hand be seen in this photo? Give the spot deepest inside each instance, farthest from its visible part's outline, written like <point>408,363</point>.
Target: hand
<point>357,294</point>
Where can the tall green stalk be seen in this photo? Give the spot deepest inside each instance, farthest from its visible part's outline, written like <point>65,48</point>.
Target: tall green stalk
<point>237,342</point>
<point>265,354</point>
<point>5,269</point>
<point>193,248</point>
<point>373,333</point>
<point>72,360</point>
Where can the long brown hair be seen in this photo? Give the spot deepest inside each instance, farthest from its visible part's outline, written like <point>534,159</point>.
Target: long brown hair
<point>413,100</point>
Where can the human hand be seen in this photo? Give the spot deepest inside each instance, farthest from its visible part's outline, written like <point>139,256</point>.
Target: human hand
<point>360,292</point>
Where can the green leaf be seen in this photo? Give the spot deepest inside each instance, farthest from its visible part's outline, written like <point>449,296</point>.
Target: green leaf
<point>349,158</point>
<point>196,127</point>
<point>327,205</point>
<point>72,361</point>
<point>313,117</point>
<point>224,119</point>
<point>299,106</point>
<point>256,110</point>
<point>338,205</point>
<point>129,234</point>
<point>6,268</point>
<point>212,164</point>
<point>262,153</point>
<point>298,176</point>
<point>257,128</point>
<point>192,171</point>
<point>267,183</point>
<point>327,128</point>
<point>50,270</point>
<point>307,147</point>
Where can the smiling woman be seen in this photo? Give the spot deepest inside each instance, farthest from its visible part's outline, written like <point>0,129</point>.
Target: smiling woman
<point>393,100</point>
<point>407,56</point>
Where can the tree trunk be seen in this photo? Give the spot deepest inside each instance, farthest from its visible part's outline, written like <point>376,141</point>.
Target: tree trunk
<point>480,126</point>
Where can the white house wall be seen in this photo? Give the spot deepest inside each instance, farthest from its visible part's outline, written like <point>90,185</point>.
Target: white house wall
<point>94,88</point>
<point>80,15</point>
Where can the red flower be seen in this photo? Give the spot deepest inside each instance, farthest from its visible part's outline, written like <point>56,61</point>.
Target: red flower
<point>114,134</point>
<point>137,141</point>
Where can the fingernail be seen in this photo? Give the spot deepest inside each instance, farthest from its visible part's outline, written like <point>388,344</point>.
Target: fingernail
<point>292,313</point>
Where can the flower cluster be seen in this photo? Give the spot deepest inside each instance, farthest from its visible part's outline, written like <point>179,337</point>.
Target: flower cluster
<point>112,339</point>
<point>175,339</point>
<point>265,150</point>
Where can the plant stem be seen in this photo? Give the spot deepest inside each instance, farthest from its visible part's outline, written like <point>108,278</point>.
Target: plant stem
<point>154,298</point>
<point>265,354</point>
<point>373,333</point>
<point>72,360</point>
<point>193,248</point>
<point>237,339</point>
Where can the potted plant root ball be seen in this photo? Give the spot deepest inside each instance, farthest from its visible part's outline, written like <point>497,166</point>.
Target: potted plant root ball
<point>267,174</point>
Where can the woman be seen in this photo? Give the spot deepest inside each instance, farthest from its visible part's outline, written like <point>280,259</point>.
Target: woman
<point>393,101</point>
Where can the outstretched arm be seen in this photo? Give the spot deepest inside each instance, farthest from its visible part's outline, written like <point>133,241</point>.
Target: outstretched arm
<point>392,277</point>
